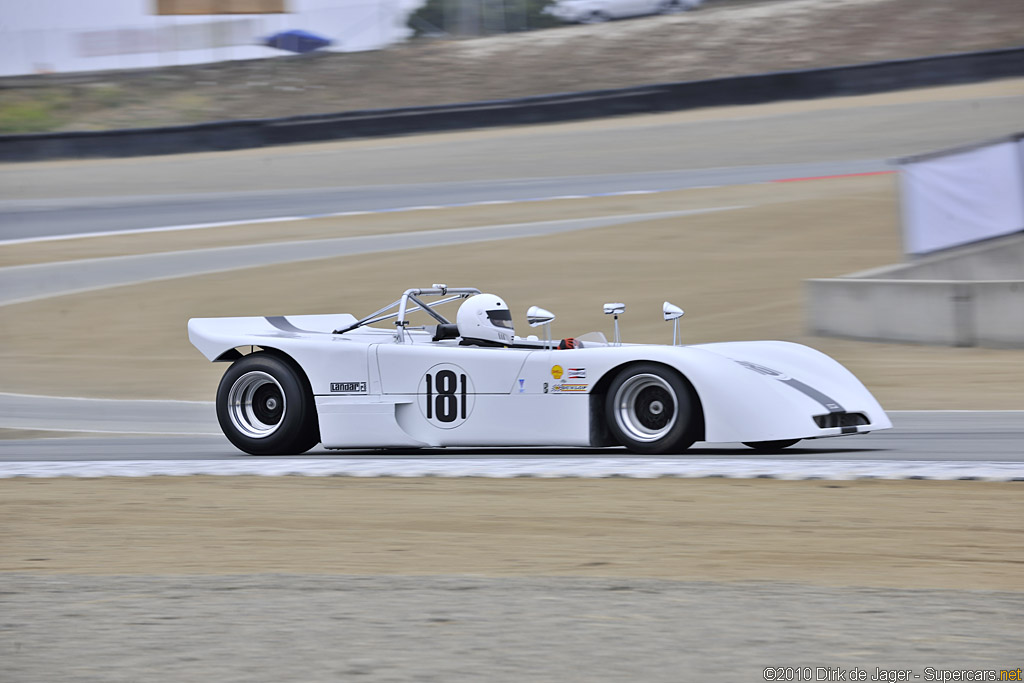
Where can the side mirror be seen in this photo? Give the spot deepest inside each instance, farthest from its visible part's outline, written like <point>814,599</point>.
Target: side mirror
<point>537,316</point>
<point>673,313</point>
<point>615,310</point>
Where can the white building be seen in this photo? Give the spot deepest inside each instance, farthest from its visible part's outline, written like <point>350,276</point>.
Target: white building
<point>41,36</point>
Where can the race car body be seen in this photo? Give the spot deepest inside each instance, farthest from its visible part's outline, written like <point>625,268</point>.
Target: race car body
<point>343,383</point>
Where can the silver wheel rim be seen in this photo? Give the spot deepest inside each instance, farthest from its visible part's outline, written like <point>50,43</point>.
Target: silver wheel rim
<point>256,405</point>
<point>646,407</point>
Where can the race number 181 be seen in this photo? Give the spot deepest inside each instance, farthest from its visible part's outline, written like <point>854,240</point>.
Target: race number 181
<point>446,396</point>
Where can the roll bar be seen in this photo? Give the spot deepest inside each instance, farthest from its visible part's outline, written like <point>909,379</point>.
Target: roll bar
<point>413,295</point>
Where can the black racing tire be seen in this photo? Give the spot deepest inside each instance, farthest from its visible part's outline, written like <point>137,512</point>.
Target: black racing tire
<point>768,446</point>
<point>651,409</point>
<point>265,406</point>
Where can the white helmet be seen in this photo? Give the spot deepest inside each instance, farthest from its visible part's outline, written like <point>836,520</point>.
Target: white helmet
<point>485,317</point>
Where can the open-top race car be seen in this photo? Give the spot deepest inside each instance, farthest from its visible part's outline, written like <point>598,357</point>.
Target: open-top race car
<point>296,381</point>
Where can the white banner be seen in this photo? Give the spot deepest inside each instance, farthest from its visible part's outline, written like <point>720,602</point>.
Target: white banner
<point>962,197</point>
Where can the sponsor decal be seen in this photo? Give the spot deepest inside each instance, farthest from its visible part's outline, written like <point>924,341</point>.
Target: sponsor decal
<point>522,388</point>
<point>348,387</point>
<point>576,373</point>
<point>569,388</point>
<point>556,371</point>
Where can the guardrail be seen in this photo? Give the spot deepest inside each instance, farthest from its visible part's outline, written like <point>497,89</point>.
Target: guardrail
<point>858,79</point>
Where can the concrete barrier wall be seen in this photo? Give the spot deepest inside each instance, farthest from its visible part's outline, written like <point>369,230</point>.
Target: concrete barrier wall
<point>885,310</point>
<point>947,313</point>
<point>997,259</point>
<point>951,300</point>
<point>754,89</point>
<point>998,313</point>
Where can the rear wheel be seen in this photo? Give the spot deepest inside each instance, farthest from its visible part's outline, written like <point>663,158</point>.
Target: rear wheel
<point>265,406</point>
<point>771,445</point>
<point>651,409</point>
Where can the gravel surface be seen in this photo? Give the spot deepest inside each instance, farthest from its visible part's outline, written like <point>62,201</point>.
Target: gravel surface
<point>721,39</point>
<point>331,628</point>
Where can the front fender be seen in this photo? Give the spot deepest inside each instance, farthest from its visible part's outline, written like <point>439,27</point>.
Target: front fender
<point>768,391</point>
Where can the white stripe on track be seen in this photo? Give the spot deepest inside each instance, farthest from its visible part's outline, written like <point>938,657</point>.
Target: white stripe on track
<point>285,219</point>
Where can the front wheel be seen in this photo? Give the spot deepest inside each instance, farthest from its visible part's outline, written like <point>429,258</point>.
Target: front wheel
<point>265,406</point>
<point>651,409</point>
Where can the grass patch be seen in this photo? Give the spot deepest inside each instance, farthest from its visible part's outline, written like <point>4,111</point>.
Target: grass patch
<point>29,116</point>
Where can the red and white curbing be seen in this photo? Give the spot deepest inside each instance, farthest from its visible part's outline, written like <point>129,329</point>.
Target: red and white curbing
<point>504,468</point>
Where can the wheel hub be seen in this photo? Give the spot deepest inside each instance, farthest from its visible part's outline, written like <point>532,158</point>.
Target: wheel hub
<point>646,407</point>
<point>256,404</point>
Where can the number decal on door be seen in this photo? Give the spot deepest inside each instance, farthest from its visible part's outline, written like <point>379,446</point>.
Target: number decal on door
<point>446,396</point>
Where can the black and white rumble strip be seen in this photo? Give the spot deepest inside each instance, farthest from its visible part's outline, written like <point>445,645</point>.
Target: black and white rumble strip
<point>504,468</point>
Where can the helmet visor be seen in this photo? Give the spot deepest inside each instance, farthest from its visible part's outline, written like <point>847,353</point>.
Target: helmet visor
<point>500,318</point>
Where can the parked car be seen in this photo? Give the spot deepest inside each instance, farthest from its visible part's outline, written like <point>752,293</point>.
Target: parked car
<point>595,11</point>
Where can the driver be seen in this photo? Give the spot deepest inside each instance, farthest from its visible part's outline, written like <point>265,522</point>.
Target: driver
<point>485,320</point>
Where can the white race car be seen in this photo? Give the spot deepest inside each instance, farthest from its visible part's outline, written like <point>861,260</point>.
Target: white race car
<point>296,381</point>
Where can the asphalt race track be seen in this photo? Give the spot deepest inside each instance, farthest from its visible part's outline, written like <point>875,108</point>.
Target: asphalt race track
<point>24,220</point>
<point>922,445</point>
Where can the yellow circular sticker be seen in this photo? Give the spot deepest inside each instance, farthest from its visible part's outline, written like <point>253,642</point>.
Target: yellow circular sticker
<point>556,372</point>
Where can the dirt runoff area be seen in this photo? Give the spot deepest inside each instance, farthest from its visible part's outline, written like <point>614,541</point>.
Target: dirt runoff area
<point>723,38</point>
<point>896,534</point>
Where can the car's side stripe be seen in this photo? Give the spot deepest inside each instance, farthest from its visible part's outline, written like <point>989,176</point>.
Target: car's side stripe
<point>823,399</point>
<point>281,323</point>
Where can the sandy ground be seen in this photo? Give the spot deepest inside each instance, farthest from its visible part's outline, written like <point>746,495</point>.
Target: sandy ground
<point>721,39</point>
<point>912,534</point>
<point>315,628</point>
<point>737,274</point>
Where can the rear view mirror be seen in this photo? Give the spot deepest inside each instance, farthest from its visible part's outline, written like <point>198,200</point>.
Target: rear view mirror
<point>537,316</point>
<point>673,313</point>
<point>614,309</point>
